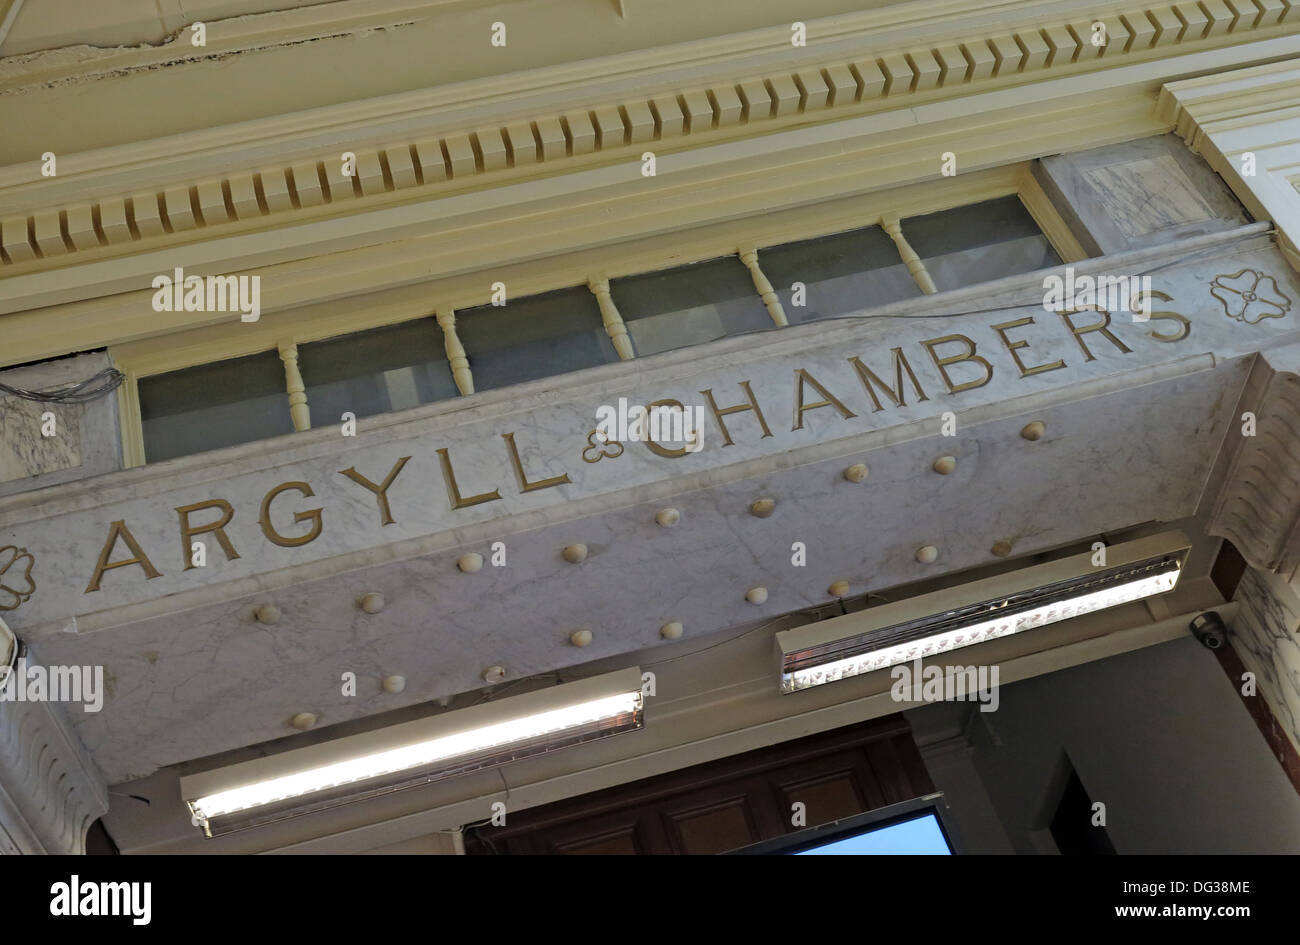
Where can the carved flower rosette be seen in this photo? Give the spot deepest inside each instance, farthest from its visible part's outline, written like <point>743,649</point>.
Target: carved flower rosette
<point>1250,296</point>
<point>16,584</point>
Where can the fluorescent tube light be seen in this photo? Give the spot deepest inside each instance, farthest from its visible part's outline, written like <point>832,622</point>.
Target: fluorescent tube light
<point>984,610</point>
<point>358,766</point>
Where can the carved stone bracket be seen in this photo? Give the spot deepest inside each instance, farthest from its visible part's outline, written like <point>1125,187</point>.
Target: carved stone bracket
<point>1258,505</point>
<point>50,790</point>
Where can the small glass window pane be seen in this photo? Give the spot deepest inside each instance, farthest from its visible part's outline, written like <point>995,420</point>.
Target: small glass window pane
<point>844,274</point>
<point>979,243</point>
<point>689,305</point>
<point>214,405</point>
<point>535,336</point>
<point>377,371</point>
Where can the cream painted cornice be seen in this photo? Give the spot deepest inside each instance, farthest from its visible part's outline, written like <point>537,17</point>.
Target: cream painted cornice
<point>243,34</point>
<point>161,194</point>
<point>1248,112</point>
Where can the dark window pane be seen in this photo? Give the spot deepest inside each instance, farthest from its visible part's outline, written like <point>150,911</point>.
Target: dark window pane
<point>214,405</point>
<point>844,274</point>
<point>377,371</point>
<point>689,305</point>
<point>979,243</point>
<point>532,337</point>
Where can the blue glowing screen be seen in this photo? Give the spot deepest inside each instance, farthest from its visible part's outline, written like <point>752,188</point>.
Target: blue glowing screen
<point>919,836</point>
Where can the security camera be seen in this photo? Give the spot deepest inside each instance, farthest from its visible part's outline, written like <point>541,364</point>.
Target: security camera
<point>1210,630</point>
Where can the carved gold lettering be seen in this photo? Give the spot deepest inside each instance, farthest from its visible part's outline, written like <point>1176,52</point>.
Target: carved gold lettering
<point>1102,326</point>
<point>381,490</point>
<point>651,443</point>
<point>312,515</point>
<point>517,463</point>
<point>801,377</point>
<point>118,530</point>
<point>1013,348</point>
<point>453,491</point>
<point>218,527</point>
<point>1138,303</point>
<point>970,355</point>
<point>720,412</point>
<point>896,394</point>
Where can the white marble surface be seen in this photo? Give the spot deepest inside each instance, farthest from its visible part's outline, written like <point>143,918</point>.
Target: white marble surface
<point>25,451</point>
<point>1146,195</point>
<point>191,673</point>
<point>1267,638</point>
<point>1139,194</point>
<point>86,441</point>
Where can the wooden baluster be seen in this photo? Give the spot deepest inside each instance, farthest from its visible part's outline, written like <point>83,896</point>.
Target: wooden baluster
<point>460,370</point>
<point>749,256</point>
<point>891,225</point>
<point>298,411</point>
<point>614,326</point>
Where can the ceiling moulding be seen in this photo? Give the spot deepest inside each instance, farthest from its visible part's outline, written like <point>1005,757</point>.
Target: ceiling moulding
<point>866,29</point>
<point>226,36</point>
<point>110,202</point>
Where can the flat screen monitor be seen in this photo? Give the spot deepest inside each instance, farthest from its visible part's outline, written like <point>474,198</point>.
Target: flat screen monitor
<point>912,828</point>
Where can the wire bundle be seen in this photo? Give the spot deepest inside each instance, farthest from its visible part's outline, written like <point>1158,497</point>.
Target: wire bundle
<point>105,382</point>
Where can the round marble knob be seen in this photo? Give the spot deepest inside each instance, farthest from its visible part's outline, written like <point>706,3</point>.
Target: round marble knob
<point>303,720</point>
<point>671,630</point>
<point>838,589</point>
<point>856,473</point>
<point>1034,431</point>
<point>668,517</point>
<point>1001,548</point>
<point>927,554</point>
<point>371,603</point>
<point>267,613</point>
<point>580,637</point>
<point>762,508</point>
<point>756,595</point>
<point>575,554</point>
<point>944,465</point>
<point>470,563</point>
<point>494,674</point>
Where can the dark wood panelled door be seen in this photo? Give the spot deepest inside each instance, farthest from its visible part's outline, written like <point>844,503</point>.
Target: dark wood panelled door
<point>730,803</point>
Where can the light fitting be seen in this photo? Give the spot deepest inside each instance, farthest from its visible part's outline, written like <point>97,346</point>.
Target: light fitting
<point>1009,603</point>
<point>305,780</point>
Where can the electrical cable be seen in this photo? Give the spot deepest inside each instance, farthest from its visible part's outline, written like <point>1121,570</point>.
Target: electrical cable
<point>102,383</point>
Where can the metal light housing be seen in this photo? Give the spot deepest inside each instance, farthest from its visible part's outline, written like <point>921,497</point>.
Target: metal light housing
<point>995,607</point>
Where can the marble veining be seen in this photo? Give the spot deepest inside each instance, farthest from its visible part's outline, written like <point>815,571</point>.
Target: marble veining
<point>25,451</point>
<point>1147,195</point>
<point>1268,640</point>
